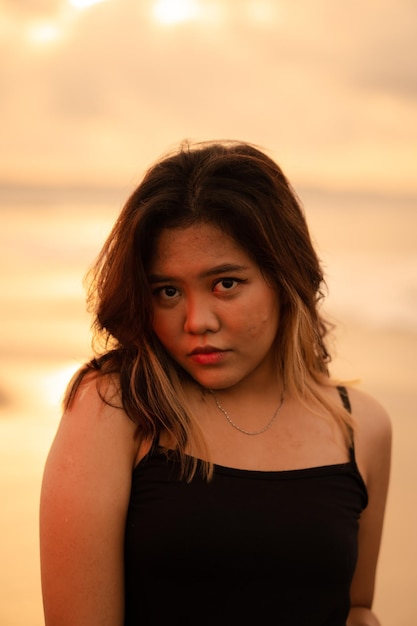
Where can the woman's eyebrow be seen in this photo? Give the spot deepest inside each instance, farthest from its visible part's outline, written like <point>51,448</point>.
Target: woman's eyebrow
<point>224,268</point>
<point>160,278</point>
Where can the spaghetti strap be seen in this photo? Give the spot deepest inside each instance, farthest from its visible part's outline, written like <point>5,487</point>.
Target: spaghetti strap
<point>343,393</point>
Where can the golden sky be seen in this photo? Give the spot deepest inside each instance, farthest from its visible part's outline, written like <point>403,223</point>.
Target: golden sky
<point>93,91</point>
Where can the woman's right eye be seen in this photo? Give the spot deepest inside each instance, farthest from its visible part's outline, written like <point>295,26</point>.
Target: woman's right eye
<point>167,293</point>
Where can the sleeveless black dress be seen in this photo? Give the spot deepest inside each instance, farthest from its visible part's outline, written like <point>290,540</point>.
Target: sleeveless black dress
<point>249,547</point>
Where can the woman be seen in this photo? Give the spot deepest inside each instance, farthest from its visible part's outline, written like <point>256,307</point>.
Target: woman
<point>207,469</point>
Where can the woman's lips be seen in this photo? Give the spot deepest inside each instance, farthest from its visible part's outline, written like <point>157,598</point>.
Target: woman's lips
<point>207,355</point>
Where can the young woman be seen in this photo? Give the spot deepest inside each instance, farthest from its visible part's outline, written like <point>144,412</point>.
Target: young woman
<point>207,470</point>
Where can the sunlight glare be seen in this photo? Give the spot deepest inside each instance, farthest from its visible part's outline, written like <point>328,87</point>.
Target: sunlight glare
<point>175,11</point>
<point>54,383</point>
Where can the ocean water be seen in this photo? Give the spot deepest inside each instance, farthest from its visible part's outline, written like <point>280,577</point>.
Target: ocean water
<point>49,238</point>
<point>368,245</point>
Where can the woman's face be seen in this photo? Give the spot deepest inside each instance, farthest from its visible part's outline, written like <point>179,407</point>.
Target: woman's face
<point>213,310</point>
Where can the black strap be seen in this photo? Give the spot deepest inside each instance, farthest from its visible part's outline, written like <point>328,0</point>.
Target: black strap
<point>344,397</point>
<point>343,393</point>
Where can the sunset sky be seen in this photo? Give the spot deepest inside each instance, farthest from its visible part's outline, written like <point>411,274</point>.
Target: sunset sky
<point>93,91</point>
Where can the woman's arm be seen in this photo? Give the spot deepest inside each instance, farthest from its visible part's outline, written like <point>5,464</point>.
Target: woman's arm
<point>373,454</point>
<point>84,498</point>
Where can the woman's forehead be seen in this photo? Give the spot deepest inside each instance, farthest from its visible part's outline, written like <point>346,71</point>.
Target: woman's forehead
<point>199,245</point>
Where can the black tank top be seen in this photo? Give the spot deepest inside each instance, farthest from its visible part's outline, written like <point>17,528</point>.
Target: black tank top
<point>249,547</point>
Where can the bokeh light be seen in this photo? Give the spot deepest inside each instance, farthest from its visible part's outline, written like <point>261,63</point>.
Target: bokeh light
<point>175,11</point>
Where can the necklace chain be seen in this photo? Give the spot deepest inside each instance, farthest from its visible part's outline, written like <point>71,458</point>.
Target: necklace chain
<point>242,430</point>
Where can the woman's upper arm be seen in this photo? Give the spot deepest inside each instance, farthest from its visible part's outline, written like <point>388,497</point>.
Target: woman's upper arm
<point>84,498</point>
<point>373,454</point>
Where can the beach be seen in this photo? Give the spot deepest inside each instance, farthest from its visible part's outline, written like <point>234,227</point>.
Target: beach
<point>44,335</point>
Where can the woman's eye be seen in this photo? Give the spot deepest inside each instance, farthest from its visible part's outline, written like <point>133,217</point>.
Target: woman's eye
<point>167,293</point>
<point>226,284</point>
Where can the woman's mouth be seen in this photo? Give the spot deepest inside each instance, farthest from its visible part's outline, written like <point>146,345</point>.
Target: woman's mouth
<point>207,355</point>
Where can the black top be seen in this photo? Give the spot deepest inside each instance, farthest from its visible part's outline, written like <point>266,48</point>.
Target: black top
<point>249,547</point>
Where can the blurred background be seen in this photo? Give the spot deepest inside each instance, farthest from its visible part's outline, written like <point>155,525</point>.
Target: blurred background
<point>92,92</point>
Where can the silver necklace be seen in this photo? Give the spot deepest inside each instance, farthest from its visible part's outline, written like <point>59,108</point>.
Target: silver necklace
<point>242,430</point>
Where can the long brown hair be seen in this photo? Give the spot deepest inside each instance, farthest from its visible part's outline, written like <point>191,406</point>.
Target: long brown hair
<point>237,187</point>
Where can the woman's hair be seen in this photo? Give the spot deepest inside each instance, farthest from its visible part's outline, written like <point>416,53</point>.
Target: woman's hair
<point>238,188</point>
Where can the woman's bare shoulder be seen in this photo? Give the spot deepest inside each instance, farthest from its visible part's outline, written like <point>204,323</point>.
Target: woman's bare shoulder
<point>373,433</point>
<point>96,408</point>
<point>93,390</point>
<point>95,421</point>
<point>371,416</point>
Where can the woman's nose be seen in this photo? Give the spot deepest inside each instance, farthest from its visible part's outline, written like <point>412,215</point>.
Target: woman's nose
<point>200,317</point>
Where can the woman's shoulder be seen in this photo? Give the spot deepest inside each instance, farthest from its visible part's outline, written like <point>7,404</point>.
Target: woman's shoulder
<point>95,412</point>
<point>96,405</point>
<point>373,432</point>
<point>371,416</point>
<point>90,391</point>
<point>91,387</point>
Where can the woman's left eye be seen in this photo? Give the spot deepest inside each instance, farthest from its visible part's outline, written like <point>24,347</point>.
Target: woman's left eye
<point>226,284</point>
